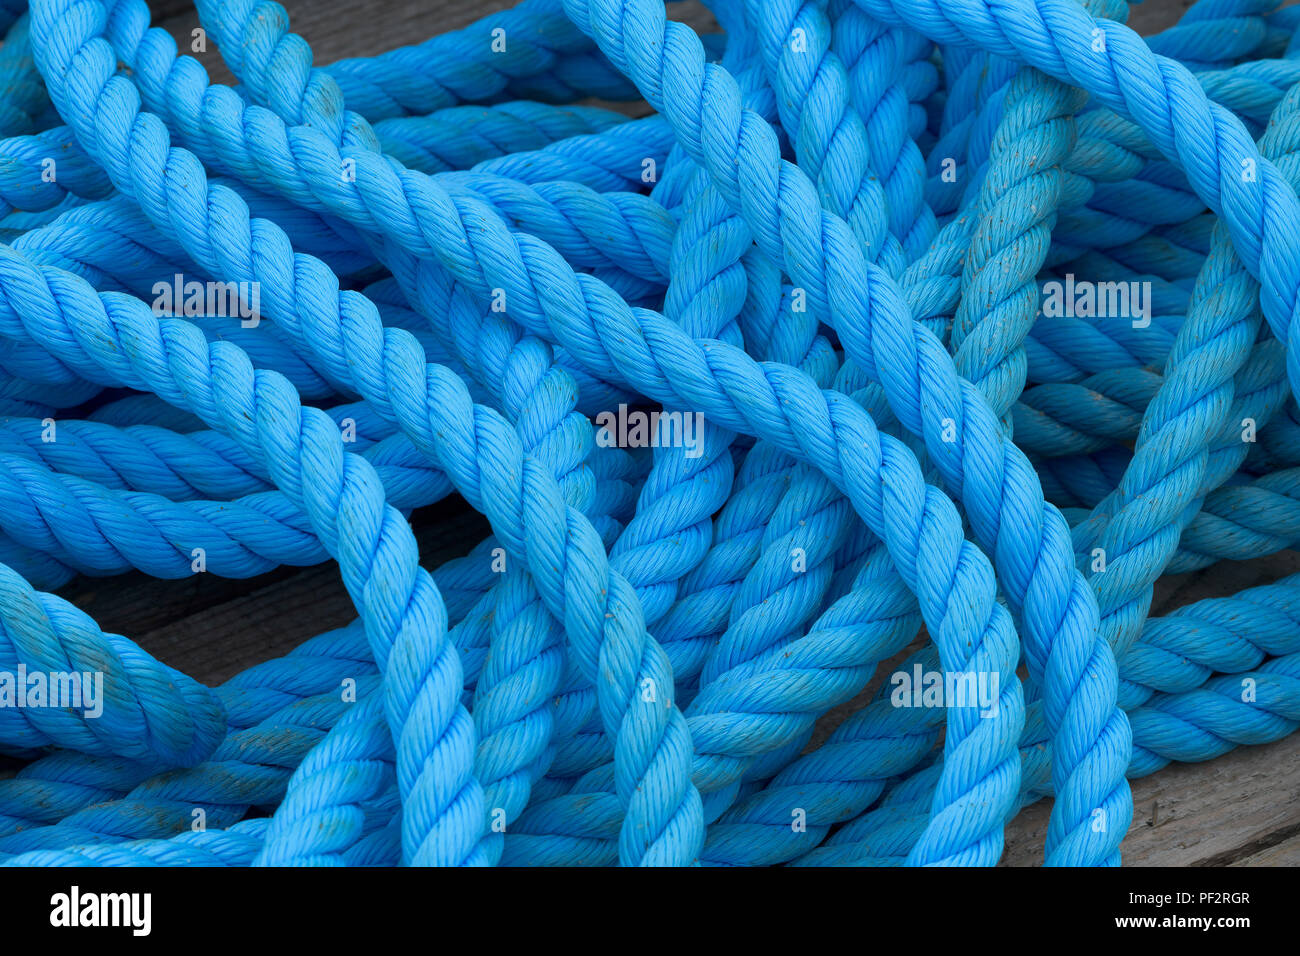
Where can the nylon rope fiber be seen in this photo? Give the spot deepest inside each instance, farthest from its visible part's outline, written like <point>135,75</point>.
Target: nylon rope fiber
<point>840,387</point>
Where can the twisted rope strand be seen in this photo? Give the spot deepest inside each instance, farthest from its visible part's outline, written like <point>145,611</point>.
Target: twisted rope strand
<point>729,382</point>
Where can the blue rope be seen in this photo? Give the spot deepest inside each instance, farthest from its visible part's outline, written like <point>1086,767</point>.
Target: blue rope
<point>749,390</point>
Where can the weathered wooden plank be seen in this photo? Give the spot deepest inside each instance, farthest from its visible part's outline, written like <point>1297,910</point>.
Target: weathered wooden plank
<point>1206,814</point>
<point>1286,853</point>
<point>337,31</point>
<point>211,628</point>
<point>1199,814</point>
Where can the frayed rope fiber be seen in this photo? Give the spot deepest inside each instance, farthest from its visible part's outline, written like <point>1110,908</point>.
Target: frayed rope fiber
<point>870,352</point>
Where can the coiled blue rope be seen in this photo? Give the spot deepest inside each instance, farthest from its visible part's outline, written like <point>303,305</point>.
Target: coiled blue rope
<point>826,257</point>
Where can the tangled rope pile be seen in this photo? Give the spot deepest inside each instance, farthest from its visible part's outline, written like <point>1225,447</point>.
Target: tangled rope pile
<point>968,316</point>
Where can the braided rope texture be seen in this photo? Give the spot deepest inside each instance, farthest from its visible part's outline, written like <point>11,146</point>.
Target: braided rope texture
<point>838,391</point>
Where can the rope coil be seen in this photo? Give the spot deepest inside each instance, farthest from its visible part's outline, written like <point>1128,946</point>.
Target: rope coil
<point>890,315</point>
